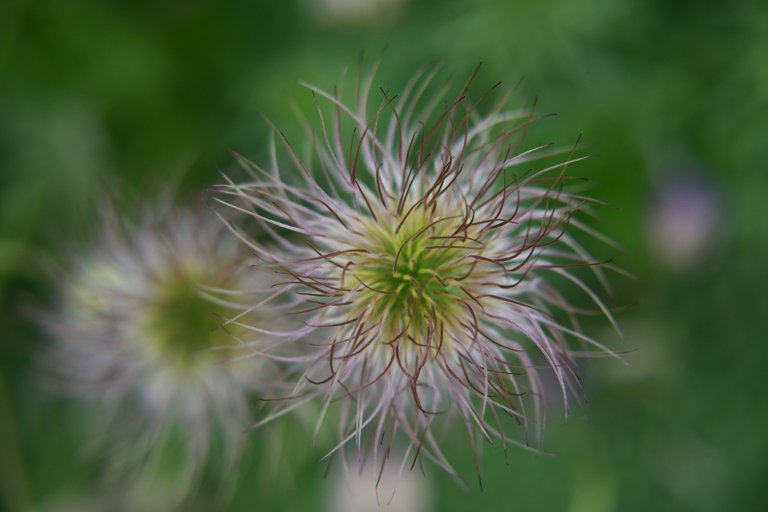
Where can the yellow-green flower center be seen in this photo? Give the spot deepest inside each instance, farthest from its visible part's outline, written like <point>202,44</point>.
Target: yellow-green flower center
<point>181,323</point>
<point>409,279</point>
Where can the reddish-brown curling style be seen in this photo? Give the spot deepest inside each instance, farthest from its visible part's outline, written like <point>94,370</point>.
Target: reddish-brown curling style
<point>425,246</point>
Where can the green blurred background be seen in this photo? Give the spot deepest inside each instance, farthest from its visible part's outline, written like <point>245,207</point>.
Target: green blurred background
<point>672,95</point>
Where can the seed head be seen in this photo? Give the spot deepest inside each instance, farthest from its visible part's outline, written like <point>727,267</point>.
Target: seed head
<point>425,250</point>
<point>142,330</point>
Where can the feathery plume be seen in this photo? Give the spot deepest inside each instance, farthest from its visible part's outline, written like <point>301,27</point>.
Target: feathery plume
<point>142,330</point>
<point>426,251</point>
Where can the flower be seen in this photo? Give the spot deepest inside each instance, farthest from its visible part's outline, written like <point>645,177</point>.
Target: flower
<point>352,12</point>
<point>142,329</point>
<point>375,489</point>
<point>427,267</point>
<point>683,220</point>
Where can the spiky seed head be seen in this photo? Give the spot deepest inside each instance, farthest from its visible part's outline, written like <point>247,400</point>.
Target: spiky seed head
<point>426,246</point>
<point>142,328</point>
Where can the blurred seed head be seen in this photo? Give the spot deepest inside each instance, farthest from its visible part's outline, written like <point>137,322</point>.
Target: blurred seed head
<point>427,257</point>
<point>351,12</point>
<point>373,489</point>
<point>142,330</point>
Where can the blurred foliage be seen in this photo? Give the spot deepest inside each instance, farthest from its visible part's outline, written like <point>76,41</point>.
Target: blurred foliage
<point>141,94</point>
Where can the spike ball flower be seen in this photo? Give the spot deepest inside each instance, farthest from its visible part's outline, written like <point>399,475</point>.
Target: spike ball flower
<point>141,330</point>
<point>426,255</point>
